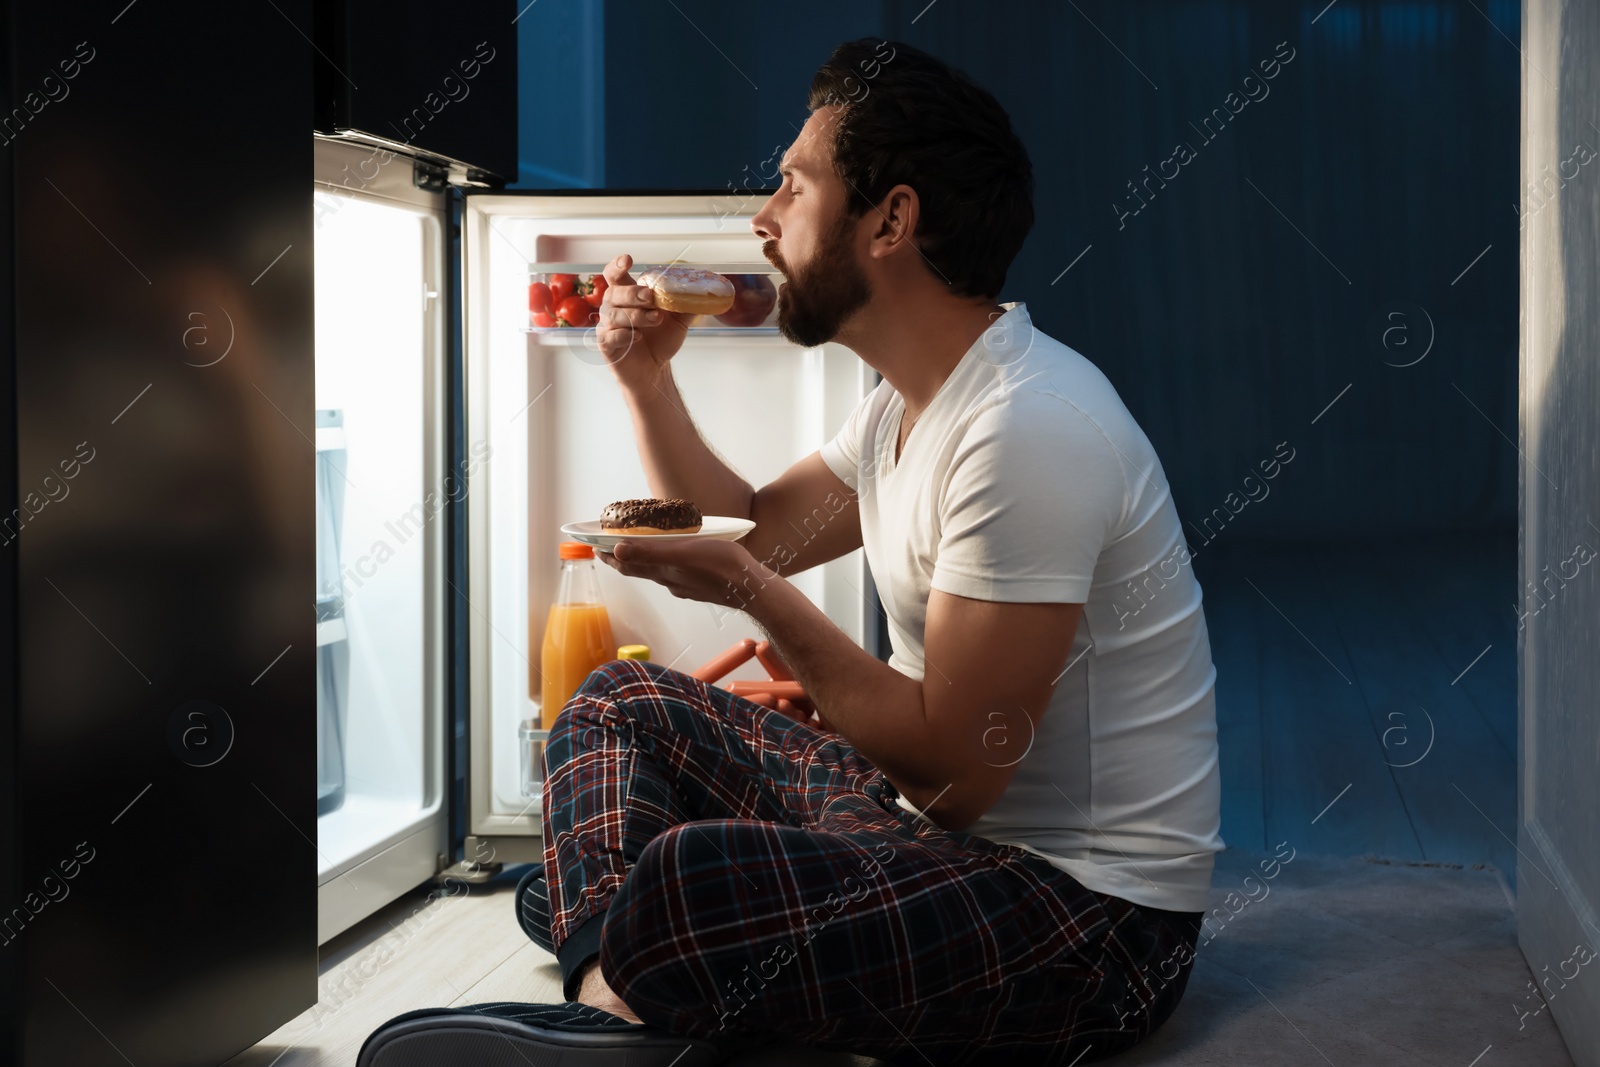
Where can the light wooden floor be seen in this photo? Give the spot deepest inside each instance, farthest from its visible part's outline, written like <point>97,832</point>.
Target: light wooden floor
<point>445,951</point>
<point>418,952</point>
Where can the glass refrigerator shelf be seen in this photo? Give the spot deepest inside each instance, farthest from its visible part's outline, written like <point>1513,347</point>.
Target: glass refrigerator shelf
<point>561,298</point>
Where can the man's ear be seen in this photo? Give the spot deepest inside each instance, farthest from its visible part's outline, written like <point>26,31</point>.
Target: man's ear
<point>895,221</point>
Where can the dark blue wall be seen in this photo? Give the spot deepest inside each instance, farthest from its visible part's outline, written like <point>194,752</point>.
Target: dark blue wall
<point>1315,240</point>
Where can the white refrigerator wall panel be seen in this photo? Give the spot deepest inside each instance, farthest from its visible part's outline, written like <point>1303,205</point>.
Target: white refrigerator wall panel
<point>554,444</point>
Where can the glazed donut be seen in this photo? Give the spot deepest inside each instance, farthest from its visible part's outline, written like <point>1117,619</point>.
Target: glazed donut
<point>649,515</point>
<point>689,289</point>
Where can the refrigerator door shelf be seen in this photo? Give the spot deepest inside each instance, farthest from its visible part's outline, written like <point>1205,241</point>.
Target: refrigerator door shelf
<point>623,242</point>
<point>330,631</point>
<point>329,510</point>
<point>330,606</point>
<point>553,440</point>
<point>755,294</point>
<point>530,745</point>
<point>330,430</point>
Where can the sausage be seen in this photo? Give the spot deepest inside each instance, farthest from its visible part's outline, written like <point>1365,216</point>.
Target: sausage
<point>794,711</point>
<point>780,689</point>
<point>774,665</point>
<point>716,667</point>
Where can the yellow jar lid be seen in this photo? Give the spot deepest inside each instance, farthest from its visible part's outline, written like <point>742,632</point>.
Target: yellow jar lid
<point>634,652</point>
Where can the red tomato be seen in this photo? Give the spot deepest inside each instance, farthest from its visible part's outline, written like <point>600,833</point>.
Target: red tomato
<point>575,311</point>
<point>538,297</point>
<point>599,293</point>
<point>561,287</point>
<point>543,318</point>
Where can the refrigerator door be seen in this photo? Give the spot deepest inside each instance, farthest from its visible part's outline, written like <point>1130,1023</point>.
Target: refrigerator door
<point>380,240</point>
<point>157,556</point>
<point>550,442</point>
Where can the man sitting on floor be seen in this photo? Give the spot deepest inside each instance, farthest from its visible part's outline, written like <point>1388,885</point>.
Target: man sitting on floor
<point>996,847</point>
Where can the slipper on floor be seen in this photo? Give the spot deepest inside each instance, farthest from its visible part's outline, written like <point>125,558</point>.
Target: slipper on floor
<point>505,1034</point>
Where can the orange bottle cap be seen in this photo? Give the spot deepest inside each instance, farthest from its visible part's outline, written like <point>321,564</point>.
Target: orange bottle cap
<point>576,550</point>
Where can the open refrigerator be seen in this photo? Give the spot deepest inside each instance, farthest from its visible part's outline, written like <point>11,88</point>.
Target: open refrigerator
<point>525,432</point>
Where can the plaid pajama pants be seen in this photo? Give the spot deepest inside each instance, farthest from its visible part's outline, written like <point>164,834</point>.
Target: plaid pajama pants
<point>745,878</point>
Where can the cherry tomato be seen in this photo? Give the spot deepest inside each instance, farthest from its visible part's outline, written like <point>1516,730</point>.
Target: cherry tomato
<point>561,287</point>
<point>543,318</point>
<point>575,311</point>
<point>599,292</point>
<point>538,297</point>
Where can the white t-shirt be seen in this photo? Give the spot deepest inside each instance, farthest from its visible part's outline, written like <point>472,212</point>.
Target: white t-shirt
<point>1026,479</point>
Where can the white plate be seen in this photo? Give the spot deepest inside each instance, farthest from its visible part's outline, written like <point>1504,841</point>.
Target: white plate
<point>717,527</point>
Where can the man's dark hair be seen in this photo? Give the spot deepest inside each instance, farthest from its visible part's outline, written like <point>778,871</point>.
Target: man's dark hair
<point>911,119</point>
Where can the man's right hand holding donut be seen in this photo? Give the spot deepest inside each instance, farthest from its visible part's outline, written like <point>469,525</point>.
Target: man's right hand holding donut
<point>636,337</point>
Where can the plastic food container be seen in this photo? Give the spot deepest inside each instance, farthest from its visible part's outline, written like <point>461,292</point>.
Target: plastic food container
<point>532,747</point>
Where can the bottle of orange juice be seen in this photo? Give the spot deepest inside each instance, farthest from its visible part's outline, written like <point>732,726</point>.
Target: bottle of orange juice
<point>577,635</point>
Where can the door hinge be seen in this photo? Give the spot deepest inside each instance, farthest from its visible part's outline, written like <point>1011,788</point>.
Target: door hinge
<point>430,176</point>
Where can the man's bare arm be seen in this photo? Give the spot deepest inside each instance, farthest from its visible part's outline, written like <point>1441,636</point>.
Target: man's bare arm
<point>951,742</point>
<point>677,461</point>
<point>805,516</point>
